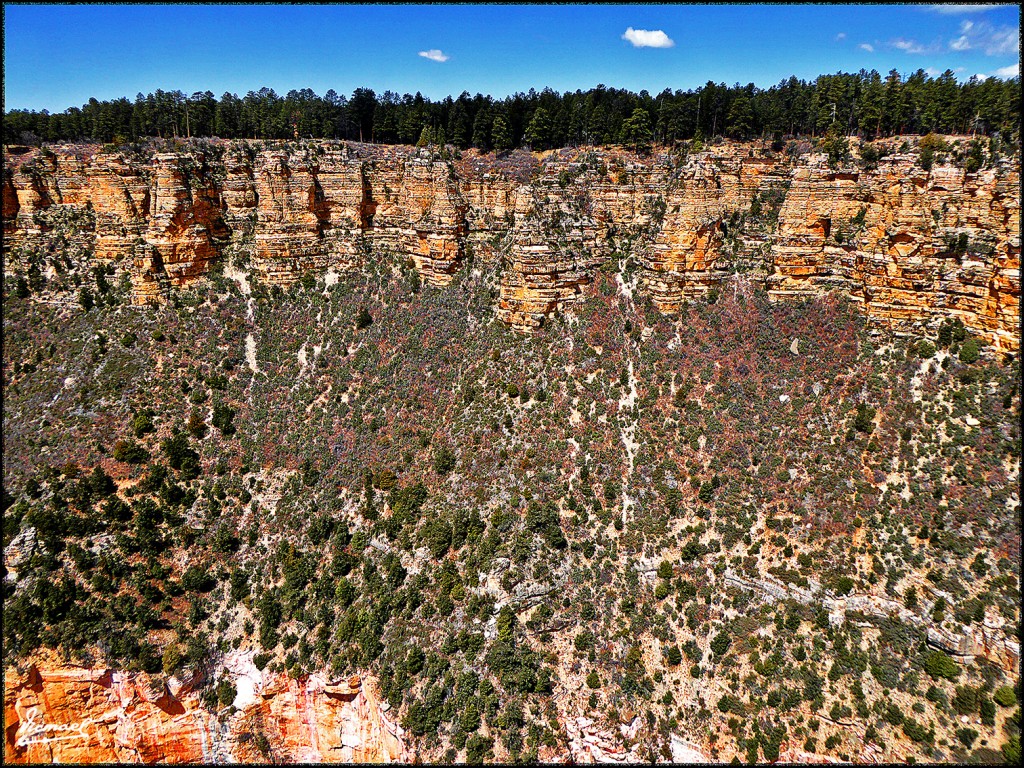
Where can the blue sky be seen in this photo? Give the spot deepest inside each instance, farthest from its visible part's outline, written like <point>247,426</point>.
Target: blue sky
<point>59,56</point>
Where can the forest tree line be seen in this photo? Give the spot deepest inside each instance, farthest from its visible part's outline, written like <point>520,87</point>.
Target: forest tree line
<point>864,104</point>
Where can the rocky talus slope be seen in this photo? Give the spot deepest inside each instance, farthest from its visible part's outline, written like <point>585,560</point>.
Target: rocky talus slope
<point>293,463</point>
<point>909,245</point>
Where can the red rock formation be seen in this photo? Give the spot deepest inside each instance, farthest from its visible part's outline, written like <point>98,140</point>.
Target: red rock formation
<point>73,715</point>
<point>11,206</point>
<point>554,249</point>
<point>434,231</point>
<point>910,246</point>
<point>689,255</point>
<point>291,211</point>
<point>118,193</point>
<point>889,239</point>
<point>184,223</point>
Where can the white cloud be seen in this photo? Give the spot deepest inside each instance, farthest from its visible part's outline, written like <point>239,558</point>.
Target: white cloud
<point>994,41</point>
<point>956,10</point>
<point>1007,72</point>
<point>434,55</point>
<point>1002,41</point>
<point>841,36</point>
<point>980,77</point>
<point>648,38</point>
<point>932,71</point>
<point>907,46</point>
<point>867,47</point>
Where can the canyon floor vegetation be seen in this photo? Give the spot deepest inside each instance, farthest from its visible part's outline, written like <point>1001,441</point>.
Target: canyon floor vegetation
<point>767,521</point>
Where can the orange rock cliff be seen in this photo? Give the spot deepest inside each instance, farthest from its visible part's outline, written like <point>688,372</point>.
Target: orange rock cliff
<point>59,714</point>
<point>910,246</point>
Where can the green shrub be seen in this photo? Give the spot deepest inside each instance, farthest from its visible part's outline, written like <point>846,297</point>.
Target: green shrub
<point>938,664</point>
<point>1005,697</point>
<point>721,644</point>
<point>225,692</point>
<point>223,418</point>
<point>180,456</point>
<point>951,331</point>
<point>967,736</point>
<point>836,146</point>
<point>673,655</point>
<point>1011,750</point>
<point>172,659</point>
<point>965,702</point>
<point>915,731</point>
<point>197,579</point>
<point>363,319</point>
<point>988,712</point>
<point>478,749</point>
<point>863,421</point>
<point>142,422</point>
<point>843,585</point>
<point>444,460</point>
<point>130,452</point>
<point>969,352</point>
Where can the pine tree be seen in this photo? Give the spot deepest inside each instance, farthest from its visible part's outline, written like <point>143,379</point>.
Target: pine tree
<point>636,131</point>
<point>458,126</point>
<point>482,129</point>
<point>739,119</point>
<point>539,131</point>
<point>501,136</point>
<point>836,146</point>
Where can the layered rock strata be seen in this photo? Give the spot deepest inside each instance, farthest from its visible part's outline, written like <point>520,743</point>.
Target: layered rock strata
<point>60,714</point>
<point>434,213</point>
<point>185,223</point>
<point>907,244</point>
<point>696,246</point>
<point>910,246</point>
<point>554,249</point>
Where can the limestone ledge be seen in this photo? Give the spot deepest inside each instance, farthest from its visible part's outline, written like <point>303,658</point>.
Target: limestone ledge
<point>910,247</point>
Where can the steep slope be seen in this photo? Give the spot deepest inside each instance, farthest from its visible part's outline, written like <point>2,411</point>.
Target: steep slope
<point>910,246</point>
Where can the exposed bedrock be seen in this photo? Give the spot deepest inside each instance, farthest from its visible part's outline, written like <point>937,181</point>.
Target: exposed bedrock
<point>62,714</point>
<point>910,246</point>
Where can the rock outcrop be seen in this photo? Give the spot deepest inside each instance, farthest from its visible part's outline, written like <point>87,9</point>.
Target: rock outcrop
<point>906,243</point>
<point>555,245</point>
<point>184,226</point>
<point>55,713</point>
<point>909,246</point>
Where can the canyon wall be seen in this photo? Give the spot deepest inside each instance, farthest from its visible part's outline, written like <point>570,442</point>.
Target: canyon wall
<point>61,714</point>
<point>909,246</point>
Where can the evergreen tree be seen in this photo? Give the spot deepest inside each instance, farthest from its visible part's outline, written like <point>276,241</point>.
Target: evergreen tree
<point>740,118</point>
<point>501,136</point>
<point>636,131</point>
<point>836,146</point>
<point>482,129</point>
<point>861,103</point>
<point>458,126</point>
<point>539,132</point>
